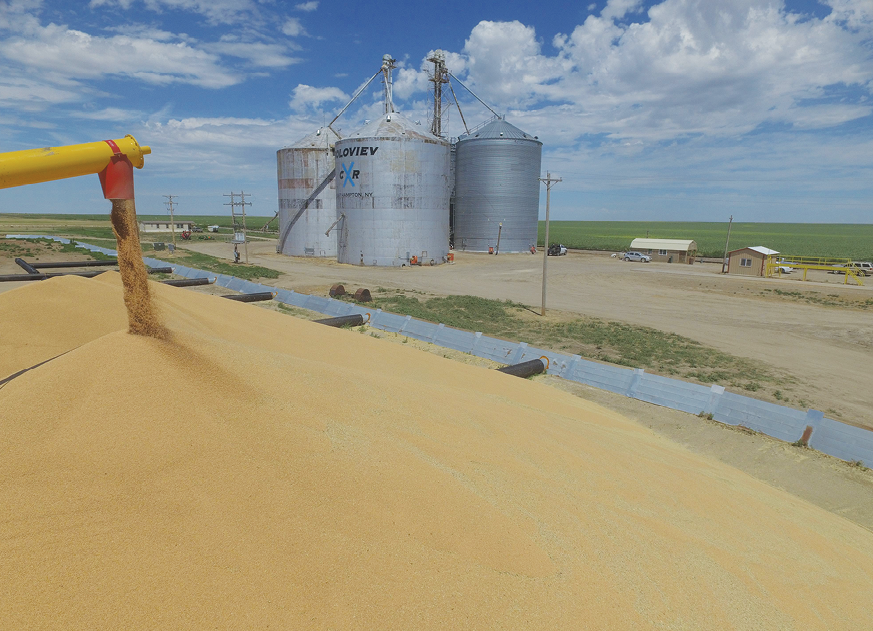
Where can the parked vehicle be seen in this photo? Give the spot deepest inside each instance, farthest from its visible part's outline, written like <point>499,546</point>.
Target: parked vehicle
<point>864,268</point>
<point>557,249</point>
<point>196,229</point>
<point>638,257</point>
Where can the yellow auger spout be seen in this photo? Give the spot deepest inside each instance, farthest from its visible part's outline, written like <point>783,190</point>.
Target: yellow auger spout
<point>31,166</point>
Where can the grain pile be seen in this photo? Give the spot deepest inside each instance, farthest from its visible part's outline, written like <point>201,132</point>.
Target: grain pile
<point>259,471</point>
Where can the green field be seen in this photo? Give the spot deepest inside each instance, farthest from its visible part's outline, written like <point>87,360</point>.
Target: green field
<point>847,241</point>
<point>99,226</point>
<point>850,241</point>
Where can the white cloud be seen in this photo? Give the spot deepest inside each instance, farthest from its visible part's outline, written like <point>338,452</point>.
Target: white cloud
<point>505,61</point>
<point>854,13</point>
<point>66,54</point>
<point>617,9</point>
<point>307,6</point>
<point>408,81</point>
<point>692,67</point>
<point>229,148</point>
<point>307,96</point>
<point>293,27</point>
<point>259,54</point>
<point>216,11</point>
<point>25,93</point>
<point>110,114</point>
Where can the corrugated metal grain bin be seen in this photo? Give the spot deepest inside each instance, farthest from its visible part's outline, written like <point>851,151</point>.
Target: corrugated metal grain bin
<point>497,170</point>
<point>302,167</point>
<point>392,194</point>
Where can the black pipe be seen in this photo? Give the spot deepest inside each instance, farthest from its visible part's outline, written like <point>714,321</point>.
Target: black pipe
<point>77,264</point>
<point>524,369</point>
<point>27,267</point>
<point>256,297</point>
<point>9,278</point>
<point>188,282</point>
<point>348,320</point>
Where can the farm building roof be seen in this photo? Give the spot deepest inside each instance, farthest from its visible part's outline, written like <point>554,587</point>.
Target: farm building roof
<point>758,248</point>
<point>682,245</point>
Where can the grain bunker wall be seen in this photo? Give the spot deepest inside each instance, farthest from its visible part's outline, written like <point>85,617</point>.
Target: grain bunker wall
<point>392,194</point>
<point>497,170</point>
<point>302,168</point>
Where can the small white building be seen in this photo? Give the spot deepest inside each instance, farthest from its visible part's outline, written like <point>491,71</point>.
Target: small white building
<point>165,225</point>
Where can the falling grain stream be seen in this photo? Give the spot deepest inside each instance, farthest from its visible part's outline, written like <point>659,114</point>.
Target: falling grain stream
<point>141,313</point>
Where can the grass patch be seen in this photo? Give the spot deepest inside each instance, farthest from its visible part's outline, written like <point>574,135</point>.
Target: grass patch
<point>16,249</point>
<point>33,248</point>
<point>214,264</point>
<point>297,312</point>
<point>816,298</point>
<point>613,342</point>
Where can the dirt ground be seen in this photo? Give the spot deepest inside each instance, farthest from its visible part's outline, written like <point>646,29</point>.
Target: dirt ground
<point>827,348</point>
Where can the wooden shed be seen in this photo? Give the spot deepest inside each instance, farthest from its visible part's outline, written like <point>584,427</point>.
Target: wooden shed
<point>666,250</point>
<point>749,261</point>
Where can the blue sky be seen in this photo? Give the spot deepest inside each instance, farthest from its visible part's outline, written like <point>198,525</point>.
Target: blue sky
<point>673,110</point>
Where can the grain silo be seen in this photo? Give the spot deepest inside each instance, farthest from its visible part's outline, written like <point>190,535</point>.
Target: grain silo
<point>497,170</point>
<point>392,194</point>
<point>305,212</point>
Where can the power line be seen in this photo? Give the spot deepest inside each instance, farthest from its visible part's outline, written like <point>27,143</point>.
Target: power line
<point>170,207</point>
<point>242,204</point>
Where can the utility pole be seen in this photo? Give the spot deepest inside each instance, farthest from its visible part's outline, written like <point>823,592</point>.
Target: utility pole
<point>242,204</point>
<point>549,181</point>
<point>723,264</point>
<point>170,205</point>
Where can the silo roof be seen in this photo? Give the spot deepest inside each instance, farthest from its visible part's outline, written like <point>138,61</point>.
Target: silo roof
<point>323,138</point>
<point>393,125</point>
<point>500,129</point>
